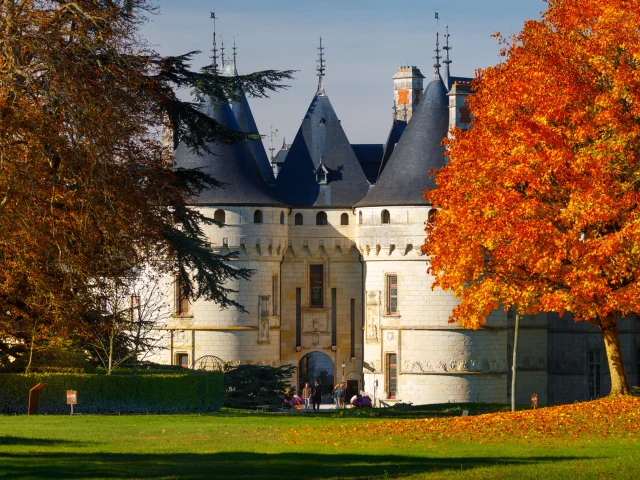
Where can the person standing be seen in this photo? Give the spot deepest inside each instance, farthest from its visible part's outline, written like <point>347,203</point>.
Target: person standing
<point>316,395</point>
<point>306,395</point>
<point>334,395</point>
<point>341,394</point>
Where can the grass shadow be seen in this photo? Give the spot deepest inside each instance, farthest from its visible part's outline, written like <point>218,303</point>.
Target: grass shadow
<point>35,442</point>
<point>243,465</point>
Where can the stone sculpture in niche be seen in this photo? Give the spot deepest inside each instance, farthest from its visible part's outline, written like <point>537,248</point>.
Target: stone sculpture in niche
<point>263,331</point>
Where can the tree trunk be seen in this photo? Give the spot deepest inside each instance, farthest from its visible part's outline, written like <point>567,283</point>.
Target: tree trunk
<point>619,384</point>
<point>513,366</point>
<point>110,354</point>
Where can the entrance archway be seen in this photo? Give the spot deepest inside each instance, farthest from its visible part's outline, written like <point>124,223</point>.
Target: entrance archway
<point>316,365</point>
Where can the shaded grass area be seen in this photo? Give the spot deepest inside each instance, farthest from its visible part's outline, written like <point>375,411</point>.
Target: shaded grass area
<point>295,446</point>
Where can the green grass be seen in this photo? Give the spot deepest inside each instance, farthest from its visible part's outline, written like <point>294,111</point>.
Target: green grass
<point>301,446</point>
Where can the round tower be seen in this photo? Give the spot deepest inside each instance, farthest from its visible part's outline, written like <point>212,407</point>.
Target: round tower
<point>251,223</point>
<point>411,352</point>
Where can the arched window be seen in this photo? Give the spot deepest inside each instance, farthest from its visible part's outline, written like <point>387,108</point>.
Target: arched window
<point>281,218</point>
<point>219,216</point>
<point>257,216</point>
<point>360,218</point>
<point>385,217</point>
<point>321,218</point>
<point>432,215</point>
<point>344,219</point>
<point>299,220</point>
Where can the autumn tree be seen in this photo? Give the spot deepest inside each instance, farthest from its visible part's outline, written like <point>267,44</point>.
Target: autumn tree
<point>86,189</point>
<point>540,203</point>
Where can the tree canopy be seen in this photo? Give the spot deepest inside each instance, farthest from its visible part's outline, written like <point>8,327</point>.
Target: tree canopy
<point>540,203</point>
<point>87,191</point>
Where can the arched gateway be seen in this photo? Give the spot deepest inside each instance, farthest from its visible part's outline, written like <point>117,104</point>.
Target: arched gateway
<point>316,365</point>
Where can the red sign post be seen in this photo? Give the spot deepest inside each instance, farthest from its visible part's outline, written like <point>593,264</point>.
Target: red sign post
<point>72,399</point>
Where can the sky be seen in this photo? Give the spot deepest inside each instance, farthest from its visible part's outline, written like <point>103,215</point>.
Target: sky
<point>365,43</point>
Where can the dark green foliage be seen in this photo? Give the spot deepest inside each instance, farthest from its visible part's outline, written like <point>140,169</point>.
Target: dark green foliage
<point>248,386</point>
<point>186,392</point>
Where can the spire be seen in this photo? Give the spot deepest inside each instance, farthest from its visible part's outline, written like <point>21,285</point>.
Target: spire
<point>214,57</point>
<point>436,66</point>
<point>447,62</point>
<point>320,70</point>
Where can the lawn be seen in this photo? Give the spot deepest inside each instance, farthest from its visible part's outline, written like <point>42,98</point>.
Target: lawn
<point>589,440</point>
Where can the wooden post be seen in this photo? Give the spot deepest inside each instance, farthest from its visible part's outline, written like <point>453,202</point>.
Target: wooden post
<point>33,398</point>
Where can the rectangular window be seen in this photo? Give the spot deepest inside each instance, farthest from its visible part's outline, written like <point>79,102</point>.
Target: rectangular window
<point>182,359</point>
<point>275,293</point>
<point>298,317</point>
<point>334,317</point>
<point>392,294</point>
<point>134,308</point>
<point>181,300</point>
<point>316,286</point>
<point>594,373</point>
<point>392,375</point>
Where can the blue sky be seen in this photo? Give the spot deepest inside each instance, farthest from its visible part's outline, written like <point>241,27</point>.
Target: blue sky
<point>365,42</point>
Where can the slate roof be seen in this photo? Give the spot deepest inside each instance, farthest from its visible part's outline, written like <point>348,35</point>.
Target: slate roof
<point>405,177</point>
<point>244,116</point>
<point>281,156</point>
<point>231,164</point>
<point>453,80</point>
<point>321,140</point>
<point>397,129</point>
<point>369,156</point>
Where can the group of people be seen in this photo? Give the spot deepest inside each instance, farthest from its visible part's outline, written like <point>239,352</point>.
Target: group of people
<point>312,394</point>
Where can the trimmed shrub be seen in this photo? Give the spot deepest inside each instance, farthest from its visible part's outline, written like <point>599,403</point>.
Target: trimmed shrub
<point>188,392</point>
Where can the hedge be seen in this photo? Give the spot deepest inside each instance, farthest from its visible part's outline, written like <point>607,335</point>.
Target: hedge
<point>188,392</point>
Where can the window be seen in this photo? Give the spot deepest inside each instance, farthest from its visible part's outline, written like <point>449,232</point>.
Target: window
<point>344,219</point>
<point>257,216</point>
<point>321,218</point>
<point>392,375</point>
<point>182,359</point>
<point>385,216</point>
<point>281,218</point>
<point>219,216</point>
<point>594,373</point>
<point>275,293</point>
<point>299,219</point>
<point>392,294</point>
<point>134,308</point>
<point>432,215</point>
<point>360,218</point>
<point>315,285</point>
<point>181,300</point>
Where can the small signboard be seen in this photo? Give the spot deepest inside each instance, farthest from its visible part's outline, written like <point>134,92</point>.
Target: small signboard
<point>72,397</point>
<point>465,413</point>
<point>534,400</point>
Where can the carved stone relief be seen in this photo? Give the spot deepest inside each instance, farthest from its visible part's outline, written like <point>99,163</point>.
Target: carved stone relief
<point>373,317</point>
<point>263,330</point>
<point>465,365</point>
<point>315,320</point>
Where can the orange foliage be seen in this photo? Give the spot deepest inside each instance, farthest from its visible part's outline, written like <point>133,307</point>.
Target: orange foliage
<point>540,203</point>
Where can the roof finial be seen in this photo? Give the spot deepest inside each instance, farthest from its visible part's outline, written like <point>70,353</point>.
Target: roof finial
<point>320,69</point>
<point>436,66</point>
<point>222,48</point>
<point>235,50</point>
<point>215,47</point>
<point>447,62</point>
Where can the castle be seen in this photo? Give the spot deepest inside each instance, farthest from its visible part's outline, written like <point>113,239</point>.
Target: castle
<point>340,287</point>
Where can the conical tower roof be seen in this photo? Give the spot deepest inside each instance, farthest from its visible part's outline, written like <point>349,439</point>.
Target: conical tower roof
<point>321,169</point>
<point>406,175</point>
<point>231,164</point>
<point>244,116</point>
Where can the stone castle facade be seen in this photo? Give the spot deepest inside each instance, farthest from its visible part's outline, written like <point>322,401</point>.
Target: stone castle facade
<point>340,287</point>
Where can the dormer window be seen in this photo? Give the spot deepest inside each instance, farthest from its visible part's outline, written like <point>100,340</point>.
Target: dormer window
<point>322,122</point>
<point>321,174</point>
